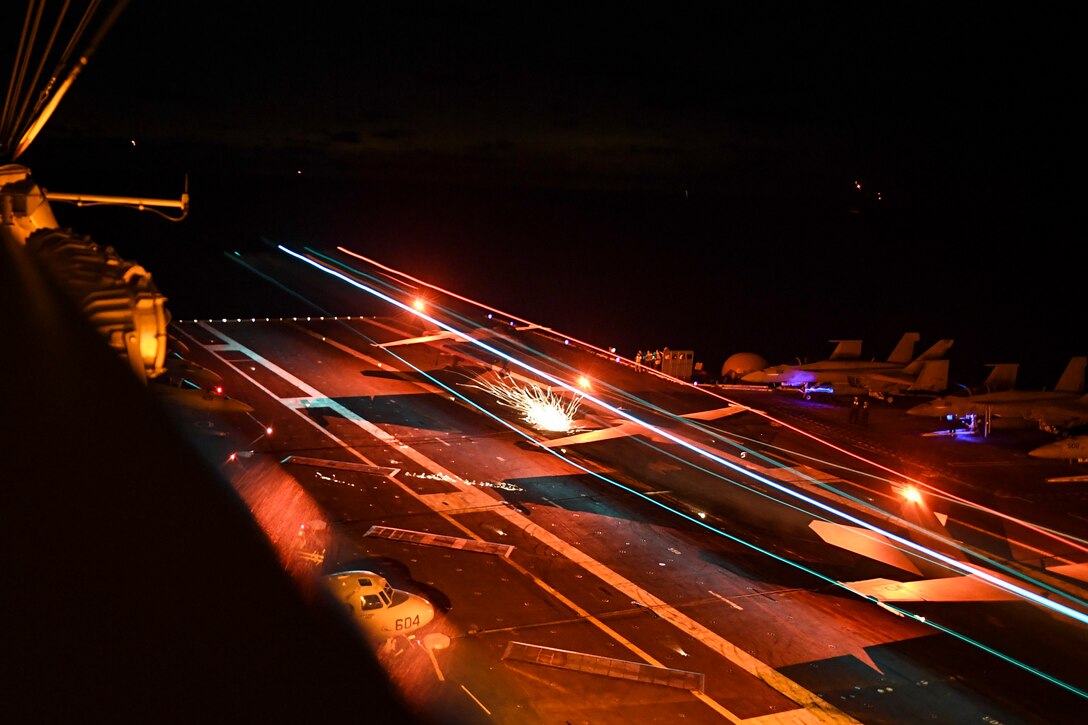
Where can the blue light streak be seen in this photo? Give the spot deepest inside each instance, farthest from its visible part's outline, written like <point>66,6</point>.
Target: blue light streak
<point>692,424</point>
<point>688,517</point>
<point>947,560</point>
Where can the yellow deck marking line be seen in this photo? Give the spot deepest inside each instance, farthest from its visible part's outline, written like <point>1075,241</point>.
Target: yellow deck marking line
<point>475,699</point>
<point>814,706</point>
<point>730,602</point>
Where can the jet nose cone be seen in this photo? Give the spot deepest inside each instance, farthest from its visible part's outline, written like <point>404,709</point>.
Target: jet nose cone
<point>1057,449</point>
<point>424,608</point>
<point>1063,449</point>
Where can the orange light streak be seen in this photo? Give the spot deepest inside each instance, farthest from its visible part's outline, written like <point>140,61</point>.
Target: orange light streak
<point>949,496</point>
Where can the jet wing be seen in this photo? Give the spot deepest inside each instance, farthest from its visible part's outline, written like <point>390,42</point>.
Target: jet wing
<point>476,334</point>
<point>865,543</point>
<point>602,434</point>
<point>716,413</point>
<point>445,335</point>
<point>629,428</point>
<point>1074,571</point>
<point>949,589</point>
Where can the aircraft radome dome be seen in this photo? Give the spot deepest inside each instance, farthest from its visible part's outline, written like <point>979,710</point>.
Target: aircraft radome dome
<point>741,363</point>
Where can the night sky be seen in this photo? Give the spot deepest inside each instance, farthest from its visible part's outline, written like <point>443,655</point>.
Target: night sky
<point>672,174</point>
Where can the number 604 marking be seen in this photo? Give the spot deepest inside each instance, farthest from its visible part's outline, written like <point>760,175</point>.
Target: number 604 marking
<point>406,622</point>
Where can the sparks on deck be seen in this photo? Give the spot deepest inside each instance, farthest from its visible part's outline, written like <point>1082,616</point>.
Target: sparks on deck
<point>540,408</point>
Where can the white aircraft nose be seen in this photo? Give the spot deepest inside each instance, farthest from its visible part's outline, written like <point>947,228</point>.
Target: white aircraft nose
<point>1042,451</point>
<point>1057,449</point>
<point>426,609</point>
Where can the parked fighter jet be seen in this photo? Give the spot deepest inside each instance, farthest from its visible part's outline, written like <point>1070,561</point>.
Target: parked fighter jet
<point>1072,448</point>
<point>844,375</point>
<point>1057,416</point>
<point>845,356</point>
<point>1017,405</point>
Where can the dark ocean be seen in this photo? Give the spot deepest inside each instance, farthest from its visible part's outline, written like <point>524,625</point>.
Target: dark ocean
<point>639,268</point>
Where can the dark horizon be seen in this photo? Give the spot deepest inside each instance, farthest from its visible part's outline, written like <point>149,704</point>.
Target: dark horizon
<point>636,179</point>
<point>630,269</point>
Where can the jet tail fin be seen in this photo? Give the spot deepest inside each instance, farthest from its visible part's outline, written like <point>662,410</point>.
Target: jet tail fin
<point>846,350</point>
<point>933,377</point>
<point>1072,380</point>
<point>936,351</point>
<point>904,350</point>
<point>1002,376</point>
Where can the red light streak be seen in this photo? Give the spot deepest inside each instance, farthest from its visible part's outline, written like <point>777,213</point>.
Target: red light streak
<point>483,306</point>
<point>944,494</point>
<point>953,563</point>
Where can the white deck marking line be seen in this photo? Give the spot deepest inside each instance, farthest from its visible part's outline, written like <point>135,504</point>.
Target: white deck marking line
<point>815,709</point>
<point>317,399</point>
<point>273,396</point>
